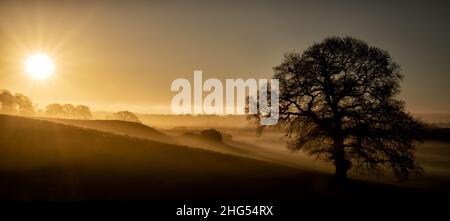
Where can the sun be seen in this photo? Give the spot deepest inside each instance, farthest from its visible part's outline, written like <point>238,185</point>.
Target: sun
<point>39,66</point>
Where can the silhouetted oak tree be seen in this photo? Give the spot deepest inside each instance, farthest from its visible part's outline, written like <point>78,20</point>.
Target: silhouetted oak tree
<point>338,100</point>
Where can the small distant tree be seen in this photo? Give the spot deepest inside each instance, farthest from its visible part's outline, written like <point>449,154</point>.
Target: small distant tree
<point>338,99</point>
<point>54,109</point>
<point>82,111</point>
<point>7,102</point>
<point>124,116</point>
<point>24,103</point>
<point>68,110</point>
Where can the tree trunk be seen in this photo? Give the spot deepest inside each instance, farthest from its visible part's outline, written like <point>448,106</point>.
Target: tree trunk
<point>341,169</point>
<point>340,162</point>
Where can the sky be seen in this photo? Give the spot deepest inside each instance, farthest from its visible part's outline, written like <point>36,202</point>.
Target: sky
<point>117,55</point>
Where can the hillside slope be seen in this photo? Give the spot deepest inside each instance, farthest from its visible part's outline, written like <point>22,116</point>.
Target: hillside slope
<point>42,160</point>
<point>116,126</point>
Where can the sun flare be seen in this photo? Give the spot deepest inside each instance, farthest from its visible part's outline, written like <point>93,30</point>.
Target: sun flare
<point>39,66</point>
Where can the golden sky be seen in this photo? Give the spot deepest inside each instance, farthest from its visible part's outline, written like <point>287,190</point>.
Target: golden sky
<point>115,55</point>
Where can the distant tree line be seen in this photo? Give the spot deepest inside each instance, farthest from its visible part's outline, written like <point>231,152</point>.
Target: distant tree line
<point>433,132</point>
<point>20,104</point>
<point>68,111</point>
<point>23,105</point>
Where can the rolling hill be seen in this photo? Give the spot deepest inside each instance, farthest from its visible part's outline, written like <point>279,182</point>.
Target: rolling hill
<point>43,160</point>
<point>118,127</point>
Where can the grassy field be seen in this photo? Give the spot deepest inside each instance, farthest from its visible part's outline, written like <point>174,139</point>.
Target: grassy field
<point>50,160</point>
